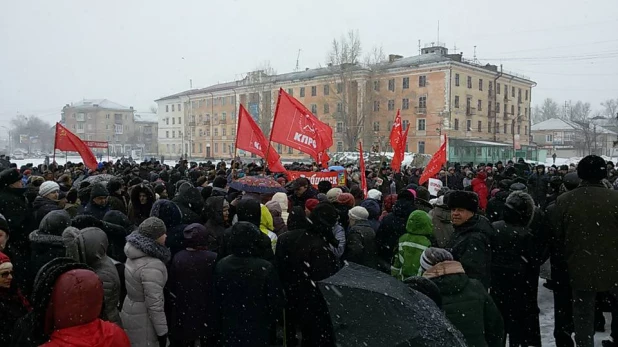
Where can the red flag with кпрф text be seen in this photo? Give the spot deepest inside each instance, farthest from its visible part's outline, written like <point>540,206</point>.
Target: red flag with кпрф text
<point>249,137</point>
<point>435,164</point>
<point>69,142</point>
<point>295,126</point>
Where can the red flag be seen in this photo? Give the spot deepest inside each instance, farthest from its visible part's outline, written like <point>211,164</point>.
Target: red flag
<point>362,169</point>
<point>251,139</point>
<point>399,154</point>
<point>396,132</point>
<point>435,164</point>
<point>69,142</point>
<point>295,126</point>
<point>323,159</point>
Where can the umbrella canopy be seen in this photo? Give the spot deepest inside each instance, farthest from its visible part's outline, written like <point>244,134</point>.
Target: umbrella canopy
<point>103,178</point>
<point>370,308</point>
<point>257,184</point>
<point>336,168</point>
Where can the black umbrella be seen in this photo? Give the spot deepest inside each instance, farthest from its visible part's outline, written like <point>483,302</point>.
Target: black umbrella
<point>370,308</point>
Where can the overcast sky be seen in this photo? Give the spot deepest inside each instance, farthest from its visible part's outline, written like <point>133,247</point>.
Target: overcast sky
<point>133,52</point>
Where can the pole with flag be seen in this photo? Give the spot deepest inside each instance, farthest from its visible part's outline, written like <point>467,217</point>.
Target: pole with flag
<point>249,137</point>
<point>362,169</point>
<point>396,138</point>
<point>435,164</point>
<point>69,142</point>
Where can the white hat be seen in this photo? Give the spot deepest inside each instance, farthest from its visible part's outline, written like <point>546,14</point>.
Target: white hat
<point>358,213</point>
<point>374,194</point>
<point>48,187</point>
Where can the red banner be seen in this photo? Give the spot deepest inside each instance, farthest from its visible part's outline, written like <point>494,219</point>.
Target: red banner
<point>96,144</point>
<point>435,164</point>
<point>362,169</point>
<point>337,178</point>
<point>396,132</point>
<point>251,139</point>
<point>399,153</point>
<point>69,142</point>
<point>295,126</point>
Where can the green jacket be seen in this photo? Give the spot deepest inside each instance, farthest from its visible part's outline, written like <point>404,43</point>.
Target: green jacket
<point>470,308</point>
<point>407,259</point>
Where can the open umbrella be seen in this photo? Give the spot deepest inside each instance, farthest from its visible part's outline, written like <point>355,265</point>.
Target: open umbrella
<point>370,308</point>
<point>103,178</point>
<point>257,184</point>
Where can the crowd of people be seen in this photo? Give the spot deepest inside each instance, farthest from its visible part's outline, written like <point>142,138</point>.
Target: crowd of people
<point>153,255</point>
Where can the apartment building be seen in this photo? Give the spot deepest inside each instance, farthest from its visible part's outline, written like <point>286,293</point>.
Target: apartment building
<point>436,93</point>
<point>171,120</point>
<point>147,134</point>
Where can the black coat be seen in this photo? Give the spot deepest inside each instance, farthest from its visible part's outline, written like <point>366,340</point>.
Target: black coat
<point>42,206</point>
<point>12,307</point>
<point>470,245</point>
<point>14,208</point>
<point>190,203</point>
<point>248,292</point>
<point>360,245</point>
<point>495,206</point>
<point>138,212</point>
<point>310,193</point>
<point>393,226</point>
<point>46,242</point>
<point>213,214</point>
<point>539,186</point>
<point>97,211</point>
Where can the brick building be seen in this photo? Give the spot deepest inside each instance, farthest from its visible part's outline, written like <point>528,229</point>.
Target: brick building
<point>437,93</point>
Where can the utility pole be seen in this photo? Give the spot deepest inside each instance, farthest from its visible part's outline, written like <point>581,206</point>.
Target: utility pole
<point>494,106</point>
<point>595,138</point>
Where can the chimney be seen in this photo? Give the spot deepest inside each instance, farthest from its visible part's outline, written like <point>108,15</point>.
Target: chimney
<point>131,108</point>
<point>306,69</point>
<point>394,57</point>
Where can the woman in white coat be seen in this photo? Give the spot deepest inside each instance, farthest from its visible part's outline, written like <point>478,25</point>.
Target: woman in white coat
<point>143,315</point>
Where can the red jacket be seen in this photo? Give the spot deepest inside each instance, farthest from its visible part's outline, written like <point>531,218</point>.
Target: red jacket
<point>480,188</point>
<point>97,333</point>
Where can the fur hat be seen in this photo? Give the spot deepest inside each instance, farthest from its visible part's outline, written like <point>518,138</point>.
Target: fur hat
<point>8,177</point>
<point>432,256</point>
<point>324,186</point>
<point>463,199</point>
<point>333,193</point>
<point>98,190</point>
<point>48,187</point>
<point>152,228</point>
<point>518,187</point>
<point>358,213</point>
<point>592,169</point>
<point>374,194</point>
<point>519,208</point>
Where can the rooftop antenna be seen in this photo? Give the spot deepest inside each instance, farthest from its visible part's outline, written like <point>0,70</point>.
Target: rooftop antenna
<point>475,55</point>
<point>419,47</point>
<point>455,47</point>
<point>297,60</point>
<point>438,32</point>
<point>190,83</point>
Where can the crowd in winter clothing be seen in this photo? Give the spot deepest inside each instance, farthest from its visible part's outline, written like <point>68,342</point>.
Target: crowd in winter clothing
<point>152,255</point>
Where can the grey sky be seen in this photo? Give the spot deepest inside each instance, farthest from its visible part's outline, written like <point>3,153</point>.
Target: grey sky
<point>132,52</point>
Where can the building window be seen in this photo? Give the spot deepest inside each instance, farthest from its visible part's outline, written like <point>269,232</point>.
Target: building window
<point>223,131</point>
<point>326,89</point>
<point>549,138</point>
<point>526,95</point>
<point>479,126</point>
<point>339,127</point>
<point>421,147</point>
<point>167,134</point>
<point>420,124</point>
<point>173,120</point>
<point>291,91</point>
<point>404,123</point>
<point>339,107</point>
<point>172,107</point>
<point>391,85</point>
<point>167,109</point>
<point>222,100</point>
<point>479,105</point>
<point>376,126</point>
<point>339,88</point>
<point>376,106</point>
<point>480,84</point>
<point>456,124</point>
<point>498,128</point>
<point>422,81</point>
<point>405,103</point>
<point>326,108</point>
<point>173,133</point>
<point>497,108</point>
<point>422,102</point>
<point>469,82</point>
<point>518,129</point>
<point>519,94</point>
<point>506,90</point>
<point>391,105</point>
<point>290,150</point>
<point>505,128</point>
<point>233,131</point>
<point>376,86</point>
<point>406,83</point>
<point>491,86</point>
<point>497,88</point>
<point>456,80</point>
<point>314,91</point>
<point>302,92</point>
<point>223,117</point>
<point>339,146</point>
<point>179,120</point>
<point>513,92</point>
<point>489,127</point>
<point>216,147</point>
<point>512,109</point>
<point>314,109</point>
<point>208,132</point>
<point>525,130</point>
<point>456,101</point>
<point>216,131</point>
<point>505,109</point>
<point>468,124</point>
<point>488,108</point>
<point>525,112</point>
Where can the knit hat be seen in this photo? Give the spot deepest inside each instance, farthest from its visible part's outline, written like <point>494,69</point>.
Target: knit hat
<point>98,190</point>
<point>407,195</point>
<point>346,199</point>
<point>374,194</point>
<point>152,227</point>
<point>48,187</point>
<point>310,204</point>
<point>592,168</point>
<point>358,213</point>
<point>196,236</point>
<point>321,197</point>
<point>432,256</point>
<point>5,263</point>
<point>462,199</point>
<point>4,225</point>
<point>332,194</point>
<point>571,181</point>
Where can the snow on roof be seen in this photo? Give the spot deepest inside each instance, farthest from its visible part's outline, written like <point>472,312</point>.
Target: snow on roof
<point>557,124</point>
<point>100,103</point>
<point>146,117</point>
<point>489,143</point>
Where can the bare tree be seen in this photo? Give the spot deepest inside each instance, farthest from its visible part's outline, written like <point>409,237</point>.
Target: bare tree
<point>549,109</point>
<point>31,133</point>
<point>580,112</point>
<point>610,107</point>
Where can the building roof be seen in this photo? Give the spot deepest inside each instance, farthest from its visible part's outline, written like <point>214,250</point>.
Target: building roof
<point>558,124</point>
<point>149,117</point>
<point>100,103</point>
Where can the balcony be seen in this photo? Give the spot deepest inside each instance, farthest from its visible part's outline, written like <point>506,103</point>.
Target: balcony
<point>222,121</point>
<point>206,122</point>
<point>421,110</point>
<point>191,124</point>
<point>470,111</point>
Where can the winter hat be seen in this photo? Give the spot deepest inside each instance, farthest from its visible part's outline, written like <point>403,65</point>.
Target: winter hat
<point>407,195</point>
<point>374,194</point>
<point>324,186</point>
<point>372,207</point>
<point>98,190</point>
<point>346,199</point>
<point>592,169</point>
<point>571,181</point>
<point>425,286</point>
<point>518,187</point>
<point>196,236</point>
<point>48,187</point>
<point>274,206</point>
<point>463,199</point>
<point>5,263</point>
<point>310,204</point>
<point>432,256</point>
<point>152,228</point>
<point>219,182</point>
<point>422,193</point>
<point>324,215</point>
<point>8,177</point>
<point>333,193</point>
<point>114,184</point>
<point>358,213</point>
<point>4,225</point>
<point>321,197</point>
<point>519,208</point>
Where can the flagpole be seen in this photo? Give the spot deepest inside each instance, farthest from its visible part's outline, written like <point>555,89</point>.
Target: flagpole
<point>55,135</point>
<point>271,132</point>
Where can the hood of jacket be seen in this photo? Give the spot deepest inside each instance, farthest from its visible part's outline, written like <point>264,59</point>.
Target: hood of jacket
<point>139,246</point>
<point>449,276</point>
<point>41,201</point>
<point>249,210</point>
<point>282,199</point>
<point>54,223</point>
<point>419,223</point>
<point>190,197</point>
<point>245,239</point>
<point>168,212</point>
<point>502,195</point>
<point>373,207</point>
<point>274,208</point>
<point>77,299</point>
<point>97,333</point>
<point>519,209</point>
<point>214,210</point>
<point>87,246</point>
<point>403,208</point>
<point>135,192</point>
<point>266,220</point>
<point>443,213</point>
<point>118,218</point>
